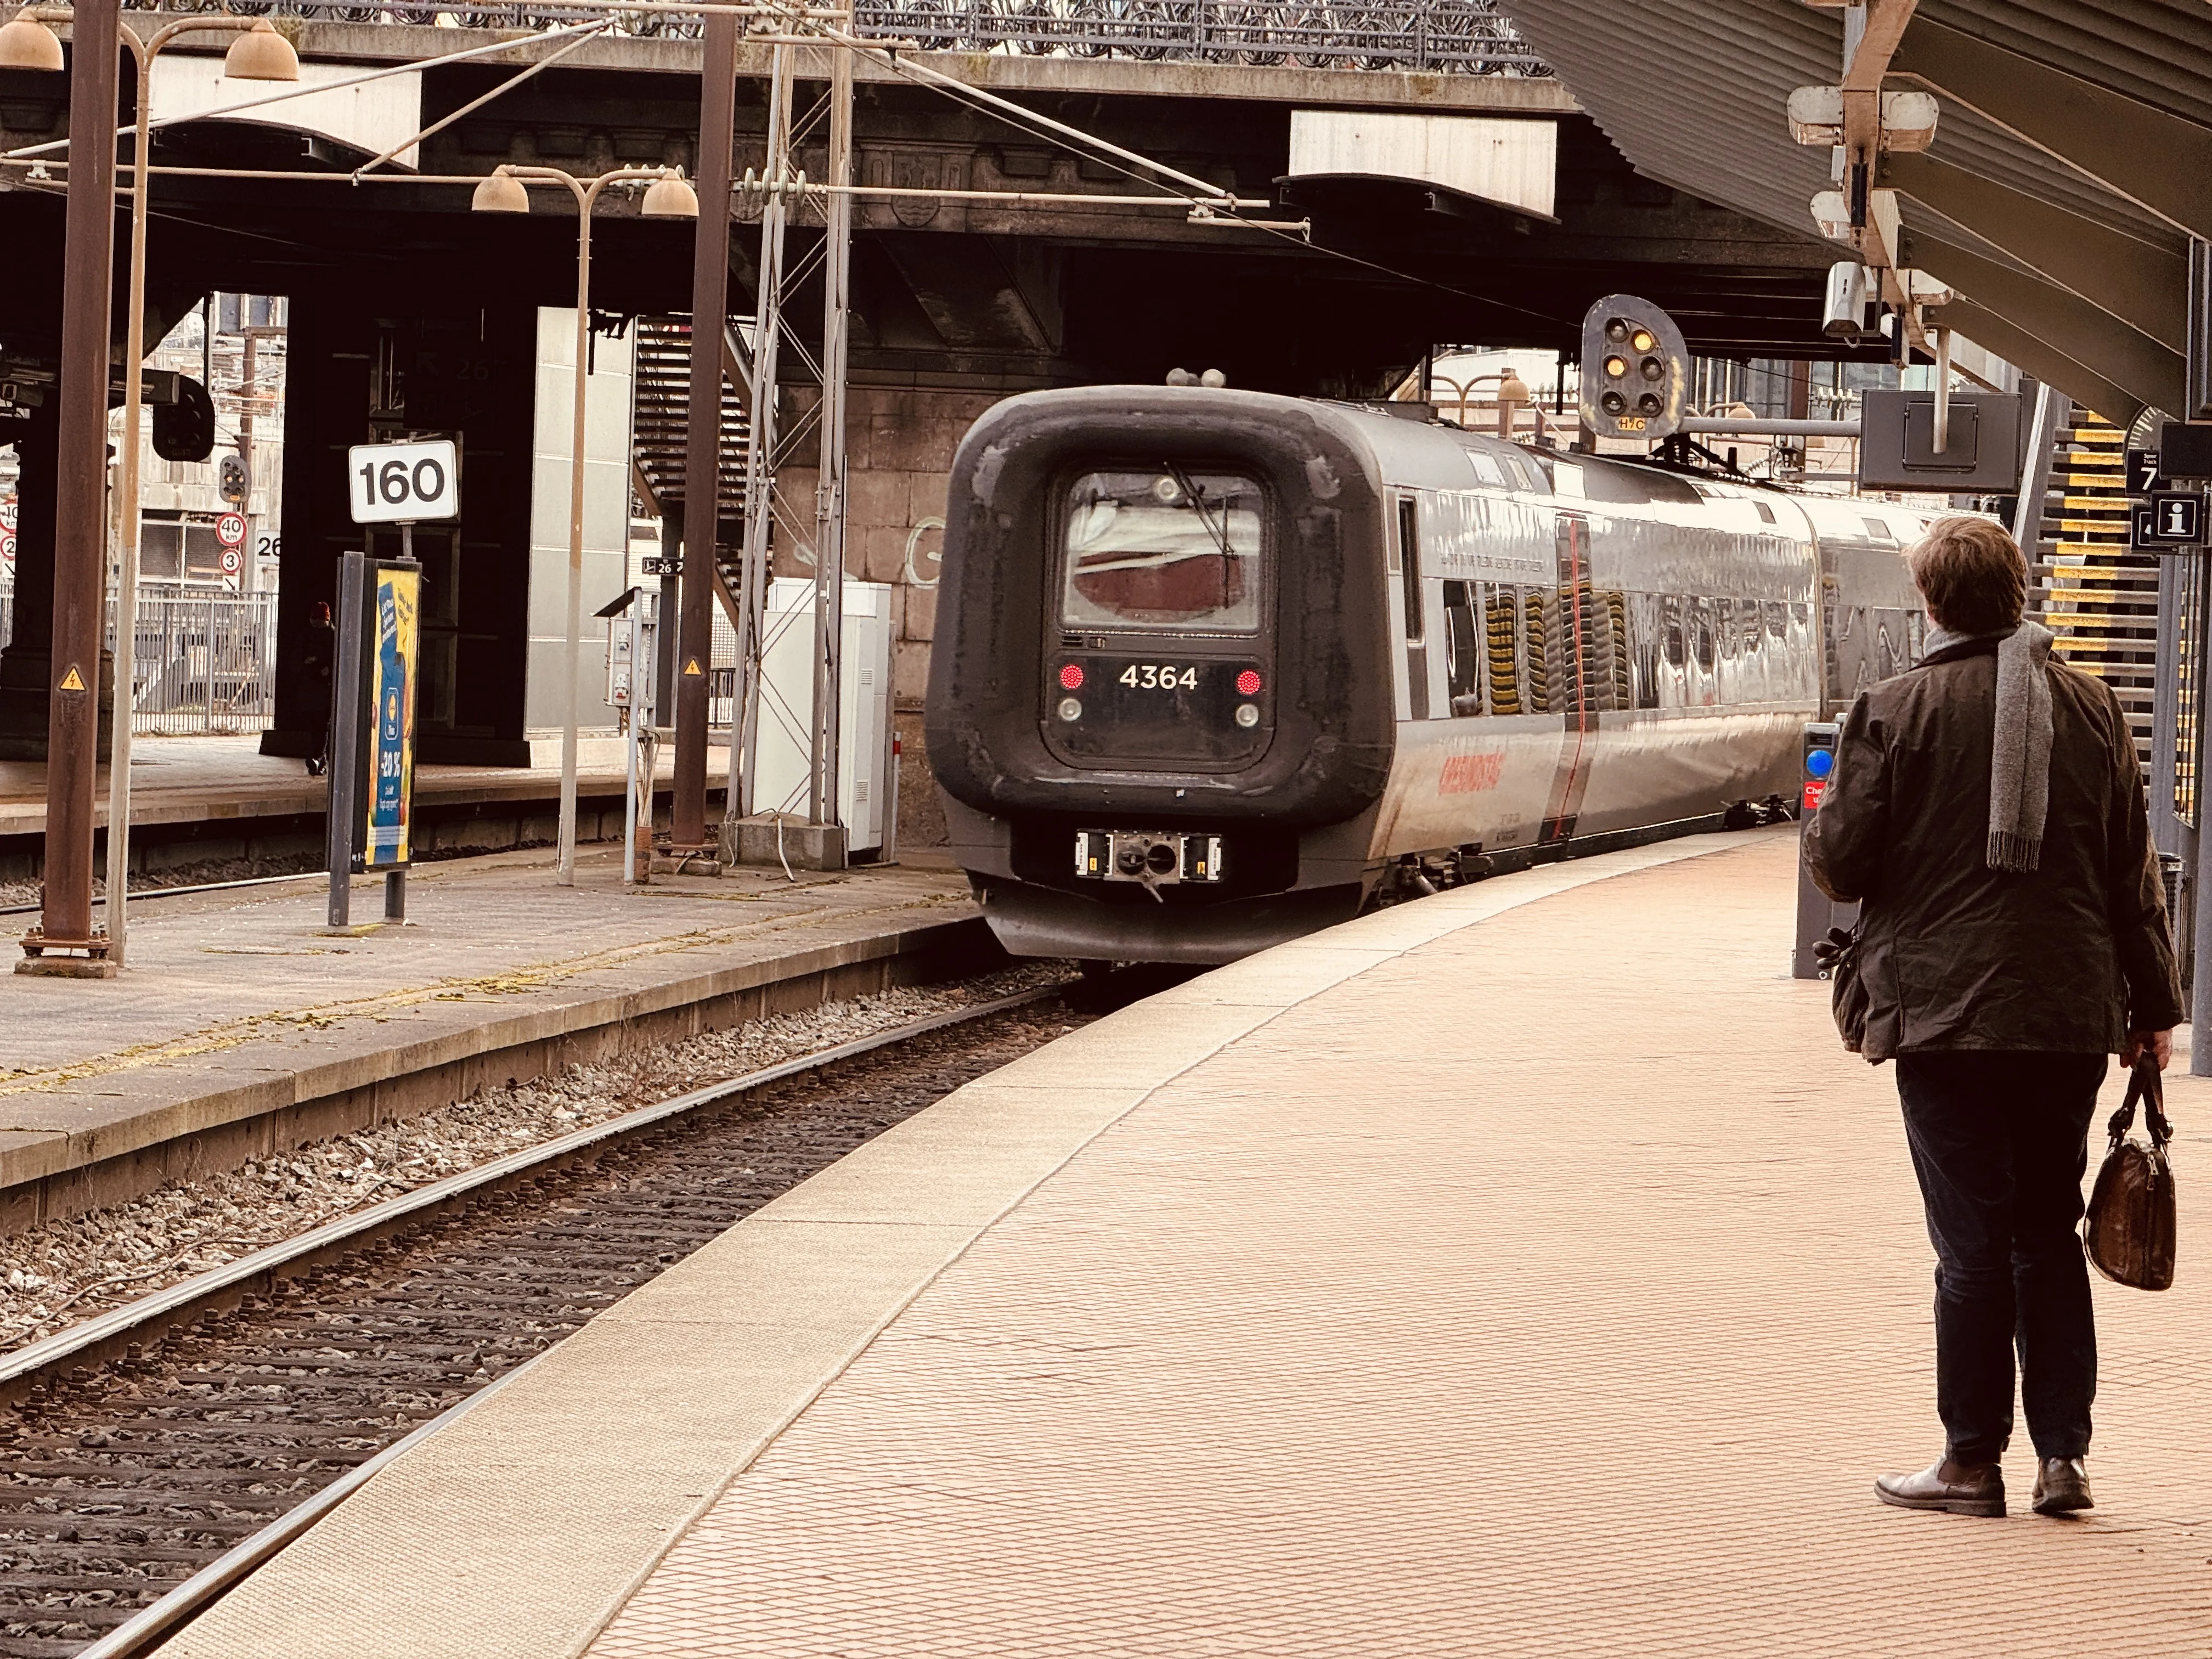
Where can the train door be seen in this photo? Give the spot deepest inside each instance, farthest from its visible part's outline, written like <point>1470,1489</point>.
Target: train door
<point>1572,646</point>
<point>1409,571</point>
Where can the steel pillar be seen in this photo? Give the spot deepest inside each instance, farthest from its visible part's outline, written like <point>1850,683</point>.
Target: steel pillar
<point>703,461</point>
<point>81,517</point>
<point>822,801</point>
<point>760,444</point>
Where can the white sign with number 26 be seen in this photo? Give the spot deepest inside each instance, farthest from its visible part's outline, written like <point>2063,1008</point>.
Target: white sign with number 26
<point>403,483</point>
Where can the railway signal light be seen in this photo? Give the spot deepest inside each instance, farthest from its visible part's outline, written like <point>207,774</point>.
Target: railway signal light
<point>1635,370</point>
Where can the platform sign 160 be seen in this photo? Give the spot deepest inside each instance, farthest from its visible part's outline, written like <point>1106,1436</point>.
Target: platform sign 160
<point>404,484</point>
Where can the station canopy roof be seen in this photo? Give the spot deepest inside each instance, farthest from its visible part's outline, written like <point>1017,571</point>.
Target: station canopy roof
<point>2070,165</point>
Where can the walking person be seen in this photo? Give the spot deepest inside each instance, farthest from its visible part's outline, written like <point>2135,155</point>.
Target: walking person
<point>1988,808</point>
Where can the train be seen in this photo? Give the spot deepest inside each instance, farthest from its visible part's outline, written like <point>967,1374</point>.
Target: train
<point>1214,669</point>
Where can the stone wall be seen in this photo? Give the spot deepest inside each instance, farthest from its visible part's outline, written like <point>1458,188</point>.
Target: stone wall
<point>899,441</point>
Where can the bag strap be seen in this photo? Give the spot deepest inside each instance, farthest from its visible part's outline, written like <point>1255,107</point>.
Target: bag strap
<point>2144,1084</point>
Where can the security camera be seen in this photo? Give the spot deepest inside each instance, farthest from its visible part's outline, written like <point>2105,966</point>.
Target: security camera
<point>1842,315</point>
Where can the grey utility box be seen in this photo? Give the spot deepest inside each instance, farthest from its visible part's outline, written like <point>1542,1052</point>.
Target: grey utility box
<point>1981,455</point>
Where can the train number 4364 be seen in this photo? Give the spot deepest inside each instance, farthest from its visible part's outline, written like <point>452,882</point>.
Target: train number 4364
<point>1160,677</point>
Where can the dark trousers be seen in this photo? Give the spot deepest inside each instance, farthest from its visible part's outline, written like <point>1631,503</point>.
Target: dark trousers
<point>1999,1142</point>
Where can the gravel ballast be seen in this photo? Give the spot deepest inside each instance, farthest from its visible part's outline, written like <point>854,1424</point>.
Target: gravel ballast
<point>57,1273</point>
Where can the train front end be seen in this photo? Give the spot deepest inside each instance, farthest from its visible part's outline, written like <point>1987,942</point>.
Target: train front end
<point>1159,708</point>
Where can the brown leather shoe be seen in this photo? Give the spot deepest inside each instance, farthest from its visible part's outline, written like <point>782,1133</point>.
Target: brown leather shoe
<point>2062,1486</point>
<point>1954,1488</point>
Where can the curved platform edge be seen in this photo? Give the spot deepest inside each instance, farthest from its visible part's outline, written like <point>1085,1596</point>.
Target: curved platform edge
<point>523,1529</point>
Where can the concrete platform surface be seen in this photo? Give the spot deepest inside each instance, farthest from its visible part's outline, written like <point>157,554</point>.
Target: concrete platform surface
<point>1524,1270</point>
<point>236,1007</point>
<point>191,779</point>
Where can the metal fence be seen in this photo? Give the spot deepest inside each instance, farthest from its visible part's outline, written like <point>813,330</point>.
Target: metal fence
<point>204,665</point>
<point>205,662</point>
<point>1463,37</point>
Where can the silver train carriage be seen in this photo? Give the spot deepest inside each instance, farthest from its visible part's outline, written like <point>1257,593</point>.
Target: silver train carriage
<point>1214,669</point>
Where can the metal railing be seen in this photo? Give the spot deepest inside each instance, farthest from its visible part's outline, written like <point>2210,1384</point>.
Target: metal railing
<point>1458,37</point>
<point>204,663</point>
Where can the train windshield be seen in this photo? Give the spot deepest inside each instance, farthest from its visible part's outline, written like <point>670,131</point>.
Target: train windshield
<point>1168,548</point>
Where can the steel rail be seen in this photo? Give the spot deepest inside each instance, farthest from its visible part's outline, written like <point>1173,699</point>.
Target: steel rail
<point>180,892</point>
<point>107,1331</point>
<point>153,1625</point>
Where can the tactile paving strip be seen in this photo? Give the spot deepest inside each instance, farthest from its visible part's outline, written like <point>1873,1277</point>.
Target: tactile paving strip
<point>1558,1288</point>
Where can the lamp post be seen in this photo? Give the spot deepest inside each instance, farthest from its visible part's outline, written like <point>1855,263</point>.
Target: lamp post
<point>258,54</point>
<point>666,197</point>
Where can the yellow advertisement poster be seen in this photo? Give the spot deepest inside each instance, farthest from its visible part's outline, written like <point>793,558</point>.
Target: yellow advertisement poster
<point>395,593</point>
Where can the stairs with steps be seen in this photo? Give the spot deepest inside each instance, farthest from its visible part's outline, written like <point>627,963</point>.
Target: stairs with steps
<point>658,440</point>
<point>2085,583</point>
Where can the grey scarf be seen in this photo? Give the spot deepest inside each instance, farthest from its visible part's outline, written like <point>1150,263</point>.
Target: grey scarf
<point>2019,755</point>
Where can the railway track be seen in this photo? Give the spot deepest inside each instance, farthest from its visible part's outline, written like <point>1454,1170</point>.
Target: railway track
<point>156,1453</point>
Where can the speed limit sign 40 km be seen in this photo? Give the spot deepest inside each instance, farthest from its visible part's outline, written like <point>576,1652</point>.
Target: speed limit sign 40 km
<point>403,483</point>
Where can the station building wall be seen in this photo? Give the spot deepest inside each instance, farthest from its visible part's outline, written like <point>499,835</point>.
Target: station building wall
<point>899,445</point>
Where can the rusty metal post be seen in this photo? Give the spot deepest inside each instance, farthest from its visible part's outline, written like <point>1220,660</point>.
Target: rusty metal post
<point>81,517</point>
<point>702,460</point>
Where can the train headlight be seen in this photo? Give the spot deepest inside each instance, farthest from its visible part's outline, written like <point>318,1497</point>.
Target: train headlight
<point>1248,714</point>
<point>1071,677</point>
<point>1248,682</point>
<point>1071,708</point>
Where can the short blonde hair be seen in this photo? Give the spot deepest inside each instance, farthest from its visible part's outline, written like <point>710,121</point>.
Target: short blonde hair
<point>1971,573</point>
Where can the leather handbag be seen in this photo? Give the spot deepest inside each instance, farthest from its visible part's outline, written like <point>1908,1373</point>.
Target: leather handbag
<point>1837,959</point>
<point>2130,1230</point>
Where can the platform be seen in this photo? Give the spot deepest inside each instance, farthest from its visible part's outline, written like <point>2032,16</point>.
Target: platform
<point>1523,1271</point>
<point>239,1027</point>
<point>221,797</point>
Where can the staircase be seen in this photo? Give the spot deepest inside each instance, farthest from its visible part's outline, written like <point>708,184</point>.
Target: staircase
<point>2085,583</point>
<point>657,438</point>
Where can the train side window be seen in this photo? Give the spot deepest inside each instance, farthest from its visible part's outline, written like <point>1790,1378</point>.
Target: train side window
<point>1619,690</point>
<point>1540,613</point>
<point>1409,570</point>
<point>1675,632</point>
<point>1409,564</point>
<point>1501,613</point>
<point>1764,511</point>
<point>1645,626</point>
<point>1486,468</point>
<point>1462,653</point>
<point>1701,632</point>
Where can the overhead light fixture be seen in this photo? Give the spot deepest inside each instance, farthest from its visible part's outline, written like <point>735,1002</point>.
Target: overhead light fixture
<point>28,44</point>
<point>261,54</point>
<point>500,192</point>
<point>669,198</point>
